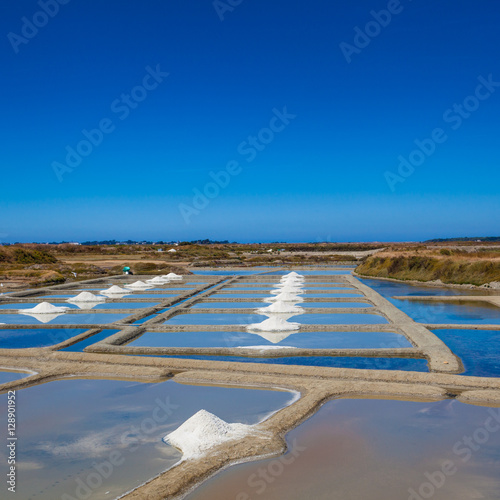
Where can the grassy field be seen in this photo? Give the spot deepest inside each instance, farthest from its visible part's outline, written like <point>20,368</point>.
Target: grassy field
<point>34,265</point>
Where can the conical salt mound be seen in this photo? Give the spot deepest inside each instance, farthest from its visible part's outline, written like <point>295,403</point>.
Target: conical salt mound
<point>274,324</point>
<point>281,307</point>
<point>44,308</point>
<point>288,289</point>
<point>285,297</point>
<point>138,284</point>
<point>173,276</point>
<point>292,275</point>
<point>290,283</point>
<point>44,312</point>
<point>86,297</point>
<point>114,290</point>
<point>292,280</point>
<point>158,281</point>
<point>203,431</point>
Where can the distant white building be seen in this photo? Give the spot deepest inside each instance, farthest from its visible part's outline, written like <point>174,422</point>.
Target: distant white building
<point>172,250</point>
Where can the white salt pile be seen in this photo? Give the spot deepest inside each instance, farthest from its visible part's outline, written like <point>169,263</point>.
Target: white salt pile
<point>284,297</point>
<point>159,280</point>
<point>274,324</point>
<point>86,300</point>
<point>86,297</point>
<point>293,273</point>
<point>173,276</point>
<point>291,281</point>
<point>114,290</point>
<point>138,284</point>
<point>288,289</point>
<point>281,307</point>
<point>44,312</point>
<point>43,308</point>
<point>203,431</point>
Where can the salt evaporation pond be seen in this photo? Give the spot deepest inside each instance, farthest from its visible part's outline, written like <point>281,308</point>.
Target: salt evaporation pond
<point>225,294</point>
<point>81,305</point>
<point>215,319</point>
<point>339,319</point>
<point>29,305</point>
<point>19,338</point>
<point>6,376</point>
<point>271,287</point>
<point>377,450</point>
<point>63,319</point>
<point>147,318</point>
<point>227,305</point>
<point>126,305</point>
<point>438,312</point>
<point>88,422</point>
<point>408,364</point>
<point>335,304</point>
<point>80,346</point>
<point>228,273</point>
<point>472,313</point>
<point>479,350</point>
<point>303,340</point>
<point>389,289</point>
<point>326,295</point>
<point>326,272</point>
<point>150,295</point>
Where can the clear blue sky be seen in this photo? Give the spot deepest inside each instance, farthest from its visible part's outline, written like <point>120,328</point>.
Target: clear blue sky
<point>328,171</point>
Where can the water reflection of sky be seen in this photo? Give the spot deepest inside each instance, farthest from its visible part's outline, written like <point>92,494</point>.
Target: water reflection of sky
<point>377,450</point>
<point>88,420</point>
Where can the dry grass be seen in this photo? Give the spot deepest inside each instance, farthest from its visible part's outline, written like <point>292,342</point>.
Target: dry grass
<point>425,264</point>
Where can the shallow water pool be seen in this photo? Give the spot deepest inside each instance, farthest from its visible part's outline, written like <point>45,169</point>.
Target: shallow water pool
<point>215,319</point>
<point>63,319</point>
<point>80,346</point>
<point>338,319</point>
<point>340,295</point>
<point>6,376</point>
<point>471,313</point>
<point>229,295</point>
<point>90,423</point>
<point>479,350</point>
<point>337,305</point>
<point>18,338</point>
<point>376,450</point>
<point>303,340</point>
<point>227,305</point>
<point>407,364</point>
